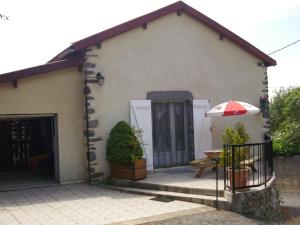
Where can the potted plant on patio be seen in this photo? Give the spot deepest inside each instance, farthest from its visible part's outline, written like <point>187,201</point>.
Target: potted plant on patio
<point>124,152</point>
<point>236,136</point>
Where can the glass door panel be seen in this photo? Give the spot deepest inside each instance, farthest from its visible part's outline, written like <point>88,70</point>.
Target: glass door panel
<point>169,134</point>
<point>161,134</point>
<point>180,133</point>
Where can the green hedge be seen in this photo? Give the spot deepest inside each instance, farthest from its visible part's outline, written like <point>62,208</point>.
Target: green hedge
<point>285,121</point>
<point>122,144</point>
<point>286,140</point>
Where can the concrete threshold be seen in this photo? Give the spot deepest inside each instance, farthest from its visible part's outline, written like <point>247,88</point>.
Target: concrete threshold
<point>26,186</point>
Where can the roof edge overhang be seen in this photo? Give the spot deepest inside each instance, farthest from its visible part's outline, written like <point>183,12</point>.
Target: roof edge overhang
<point>175,7</point>
<point>41,69</point>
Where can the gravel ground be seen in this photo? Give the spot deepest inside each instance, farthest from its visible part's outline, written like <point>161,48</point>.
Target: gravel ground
<point>291,213</point>
<point>291,206</point>
<point>223,217</point>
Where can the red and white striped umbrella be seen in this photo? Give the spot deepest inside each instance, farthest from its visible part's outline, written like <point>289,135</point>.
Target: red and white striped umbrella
<point>233,108</point>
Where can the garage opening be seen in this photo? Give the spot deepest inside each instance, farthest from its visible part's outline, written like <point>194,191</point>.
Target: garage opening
<point>28,151</point>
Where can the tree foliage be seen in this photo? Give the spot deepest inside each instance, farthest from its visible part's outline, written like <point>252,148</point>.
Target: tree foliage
<point>285,121</point>
<point>123,144</point>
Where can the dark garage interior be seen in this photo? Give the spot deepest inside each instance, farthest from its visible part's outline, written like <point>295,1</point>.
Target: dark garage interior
<point>26,151</point>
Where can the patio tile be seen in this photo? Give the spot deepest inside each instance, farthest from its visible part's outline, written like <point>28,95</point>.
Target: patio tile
<point>80,204</point>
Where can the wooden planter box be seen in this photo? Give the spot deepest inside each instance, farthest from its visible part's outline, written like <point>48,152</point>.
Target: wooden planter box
<point>135,170</point>
<point>241,177</point>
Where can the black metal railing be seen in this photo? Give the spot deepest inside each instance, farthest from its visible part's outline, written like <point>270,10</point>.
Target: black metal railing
<point>247,165</point>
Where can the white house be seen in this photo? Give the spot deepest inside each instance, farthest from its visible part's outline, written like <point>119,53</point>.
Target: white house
<point>160,72</point>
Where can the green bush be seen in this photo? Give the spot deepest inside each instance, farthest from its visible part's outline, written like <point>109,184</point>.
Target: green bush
<point>285,121</point>
<point>286,141</point>
<point>123,144</point>
<point>235,136</point>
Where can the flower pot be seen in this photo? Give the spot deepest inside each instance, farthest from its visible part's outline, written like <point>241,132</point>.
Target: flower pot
<point>241,177</point>
<point>134,170</point>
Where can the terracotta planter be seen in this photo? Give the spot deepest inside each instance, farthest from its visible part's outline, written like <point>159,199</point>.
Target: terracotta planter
<point>135,170</point>
<point>241,177</point>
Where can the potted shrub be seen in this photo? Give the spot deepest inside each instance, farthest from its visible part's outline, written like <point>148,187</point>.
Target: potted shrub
<point>236,136</point>
<point>124,153</point>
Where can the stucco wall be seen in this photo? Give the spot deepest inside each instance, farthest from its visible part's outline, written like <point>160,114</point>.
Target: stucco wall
<point>287,172</point>
<point>60,93</point>
<point>173,53</point>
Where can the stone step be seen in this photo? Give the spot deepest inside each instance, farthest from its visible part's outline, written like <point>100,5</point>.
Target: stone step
<point>194,198</point>
<point>161,187</point>
<point>5,188</point>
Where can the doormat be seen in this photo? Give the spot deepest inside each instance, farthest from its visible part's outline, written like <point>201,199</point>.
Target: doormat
<point>162,199</point>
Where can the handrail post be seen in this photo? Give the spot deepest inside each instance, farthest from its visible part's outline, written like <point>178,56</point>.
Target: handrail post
<point>233,169</point>
<point>266,152</point>
<point>271,157</point>
<point>225,148</point>
<point>216,161</point>
<point>217,183</point>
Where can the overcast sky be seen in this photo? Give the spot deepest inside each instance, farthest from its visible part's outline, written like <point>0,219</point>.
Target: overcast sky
<point>38,29</point>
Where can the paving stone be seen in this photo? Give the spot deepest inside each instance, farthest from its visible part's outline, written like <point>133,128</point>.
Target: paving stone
<point>93,123</point>
<point>86,90</point>
<point>80,204</point>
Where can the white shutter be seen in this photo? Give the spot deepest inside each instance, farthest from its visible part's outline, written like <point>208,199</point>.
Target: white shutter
<point>202,128</point>
<point>141,118</point>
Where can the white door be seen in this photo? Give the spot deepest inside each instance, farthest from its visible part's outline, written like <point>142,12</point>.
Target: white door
<point>202,128</point>
<point>141,119</point>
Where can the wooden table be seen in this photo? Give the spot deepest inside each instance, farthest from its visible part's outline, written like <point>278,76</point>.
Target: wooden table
<point>202,164</point>
<point>213,154</point>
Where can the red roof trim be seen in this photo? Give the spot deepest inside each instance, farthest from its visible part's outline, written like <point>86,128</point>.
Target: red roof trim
<point>94,39</point>
<point>41,69</point>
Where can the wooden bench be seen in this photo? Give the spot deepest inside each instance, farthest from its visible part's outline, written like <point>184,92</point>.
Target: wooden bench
<point>208,162</point>
<point>250,162</point>
<point>201,165</point>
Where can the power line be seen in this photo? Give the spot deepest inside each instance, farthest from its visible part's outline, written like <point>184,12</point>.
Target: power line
<point>284,47</point>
